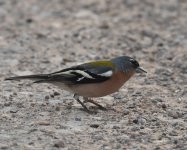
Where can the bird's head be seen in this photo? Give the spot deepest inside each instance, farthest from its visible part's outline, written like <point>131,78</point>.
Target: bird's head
<point>127,64</point>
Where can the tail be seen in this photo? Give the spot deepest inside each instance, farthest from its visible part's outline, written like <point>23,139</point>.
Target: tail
<point>36,78</point>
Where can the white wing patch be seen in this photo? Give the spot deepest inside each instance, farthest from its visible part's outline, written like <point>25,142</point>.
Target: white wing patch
<point>79,79</point>
<point>107,74</point>
<point>81,72</point>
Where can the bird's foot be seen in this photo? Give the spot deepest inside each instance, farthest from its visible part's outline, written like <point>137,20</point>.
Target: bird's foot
<point>84,106</point>
<point>86,99</point>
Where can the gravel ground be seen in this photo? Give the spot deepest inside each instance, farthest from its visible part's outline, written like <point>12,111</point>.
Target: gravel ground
<point>149,112</point>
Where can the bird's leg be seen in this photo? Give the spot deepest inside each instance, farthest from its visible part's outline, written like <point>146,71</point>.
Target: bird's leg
<point>86,99</point>
<point>76,97</point>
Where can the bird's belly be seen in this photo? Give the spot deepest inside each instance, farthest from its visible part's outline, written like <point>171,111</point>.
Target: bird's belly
<point>102,89</point>
<point>96,90</point>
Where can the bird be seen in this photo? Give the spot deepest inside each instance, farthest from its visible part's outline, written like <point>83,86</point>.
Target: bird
<point>92,79</point>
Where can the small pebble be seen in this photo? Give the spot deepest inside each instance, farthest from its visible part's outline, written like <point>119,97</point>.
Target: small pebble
<point>94,125</point>
<point>33,104</point>
<point>7,103</point>
<point>57,108</point>
<point>77,119</point>
<point>56,93</point>
<point>97,137</point>
<point>135,128</point>
<point>173,114</point>
<point>164,106</point>
<point>29,20</point>
<point>142,121</point>
<point>4,147</point>
<point>15,94</point>
<point>104,25</point>
<point>156,100</point>
<point>116,146</point>
<point>6,115</point>
<point>173,133</point>
<point>59,144</point>
<point>115,127</point>
<point>107,148</point>
<point>43,122</point>
<point>31,143</point>
<point>132,105</point>
<point>39,138</point>
<point>126,112</point>
<point>46,97</point>
<point>135,121</point>
<point>14,110</point>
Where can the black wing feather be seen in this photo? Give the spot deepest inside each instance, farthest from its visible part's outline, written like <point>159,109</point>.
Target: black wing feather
<point>76,77</point>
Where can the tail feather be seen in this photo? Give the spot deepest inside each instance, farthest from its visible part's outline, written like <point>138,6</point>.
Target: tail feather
<point>30,77</point>
<point>44,78</point>
<point>41,81</point>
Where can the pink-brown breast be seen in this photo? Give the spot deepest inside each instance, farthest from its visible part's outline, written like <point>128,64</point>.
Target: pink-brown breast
<point>105,88</point>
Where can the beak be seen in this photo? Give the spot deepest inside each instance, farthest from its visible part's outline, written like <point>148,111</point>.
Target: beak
<point>140,70</point>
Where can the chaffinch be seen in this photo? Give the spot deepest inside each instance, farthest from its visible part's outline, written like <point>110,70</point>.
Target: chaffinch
<point>92,79</point>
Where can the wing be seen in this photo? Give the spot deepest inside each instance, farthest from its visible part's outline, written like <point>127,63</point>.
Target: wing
<point>92,72</point>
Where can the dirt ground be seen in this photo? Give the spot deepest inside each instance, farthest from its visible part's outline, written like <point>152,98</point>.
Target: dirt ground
<point>149,112</point>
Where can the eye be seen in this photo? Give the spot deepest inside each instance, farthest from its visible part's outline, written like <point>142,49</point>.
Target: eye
<point>134,62</point>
